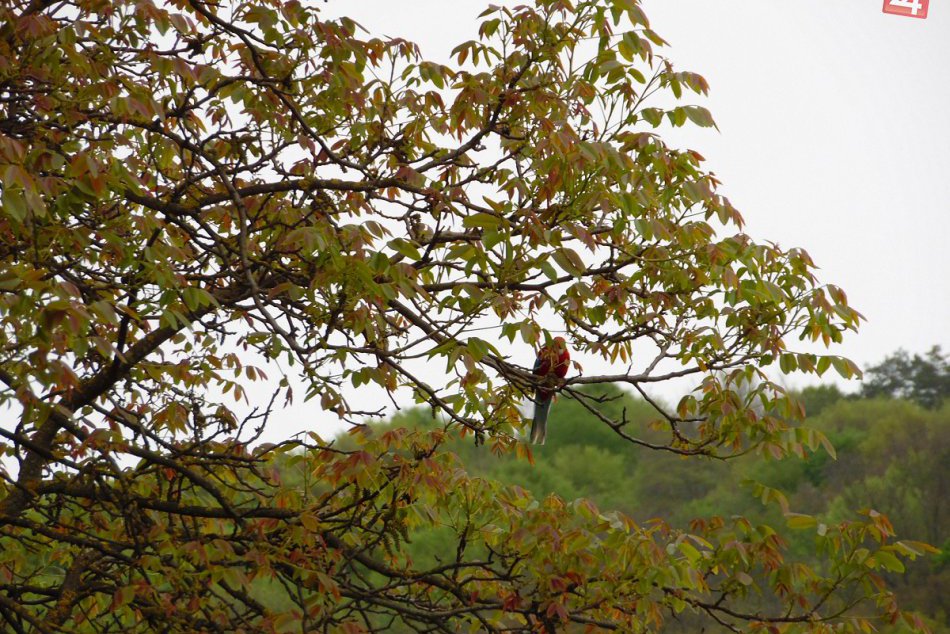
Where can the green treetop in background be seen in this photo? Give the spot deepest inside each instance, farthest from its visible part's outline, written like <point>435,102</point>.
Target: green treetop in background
<point>182,180</point>
<point>922,379</point>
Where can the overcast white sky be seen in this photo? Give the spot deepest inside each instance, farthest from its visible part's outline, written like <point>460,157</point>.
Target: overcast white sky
<point>834,136</point>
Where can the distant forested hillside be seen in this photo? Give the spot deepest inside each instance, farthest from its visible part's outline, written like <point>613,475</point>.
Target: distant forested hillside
<point>892,454</point>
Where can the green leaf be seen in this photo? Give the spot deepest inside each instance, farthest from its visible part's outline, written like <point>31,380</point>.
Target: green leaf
<point>405,248</point>
<point>549,271</point>
<point>799,521</point>
<point>492,238</point>
<point>692,554</point>
<point>653,116</point>
<point>888,561</point>
<point>482,220</point>
<point>9,280</point>
<point>479,348</point>
<point>569,261</point>
<point>700,116</point>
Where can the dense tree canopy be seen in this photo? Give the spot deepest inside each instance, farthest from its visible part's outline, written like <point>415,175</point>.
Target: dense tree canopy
<point>189,185</point>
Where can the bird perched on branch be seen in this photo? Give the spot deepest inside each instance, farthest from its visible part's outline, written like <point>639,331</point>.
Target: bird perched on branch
<point>552,361</point>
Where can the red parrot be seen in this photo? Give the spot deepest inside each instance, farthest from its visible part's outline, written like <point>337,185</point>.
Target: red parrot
<point>552,361</point>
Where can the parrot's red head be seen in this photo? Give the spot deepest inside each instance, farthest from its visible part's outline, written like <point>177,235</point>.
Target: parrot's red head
<point>561,355</point>
<point>553,358</point>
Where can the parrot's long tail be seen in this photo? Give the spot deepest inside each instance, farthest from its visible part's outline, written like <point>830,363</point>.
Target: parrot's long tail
<point>539,425</point>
